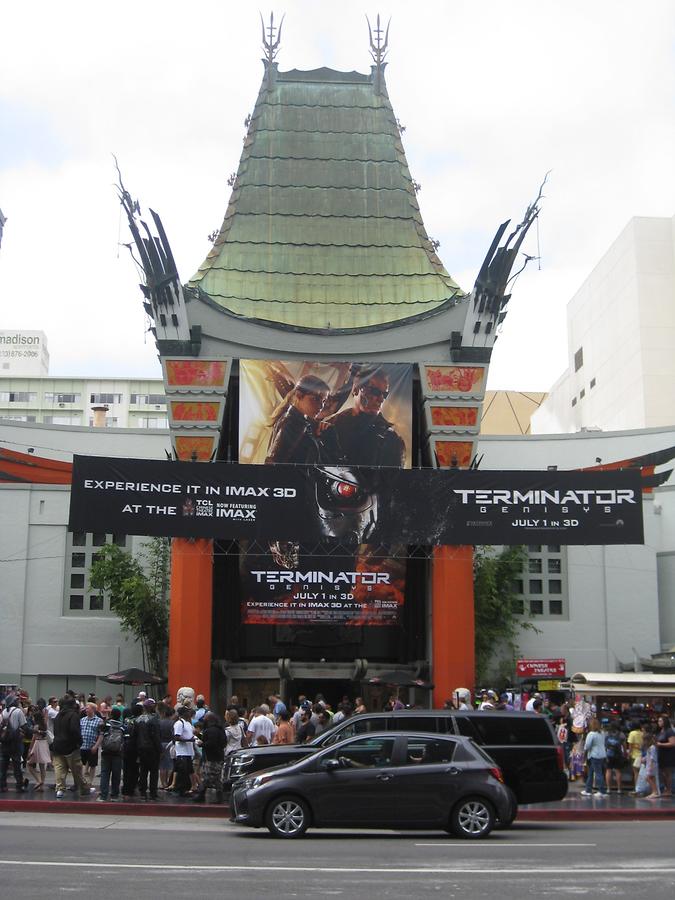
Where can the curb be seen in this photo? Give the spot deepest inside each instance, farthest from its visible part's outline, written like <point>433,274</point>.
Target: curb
<point>115,808</point>
<point>222,811</point>
<point>594,815</point>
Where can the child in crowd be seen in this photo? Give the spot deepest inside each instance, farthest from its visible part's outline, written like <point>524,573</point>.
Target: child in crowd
<point>577,760</point>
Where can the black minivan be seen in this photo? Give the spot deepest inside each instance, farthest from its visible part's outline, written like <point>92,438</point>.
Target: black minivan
<point>522,744</point>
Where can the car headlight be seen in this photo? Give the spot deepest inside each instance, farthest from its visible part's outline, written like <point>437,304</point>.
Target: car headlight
<point>259,780</point>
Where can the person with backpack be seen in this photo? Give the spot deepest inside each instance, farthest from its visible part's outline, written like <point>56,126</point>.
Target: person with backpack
<point>615,747</point>
<point>235,731</point>
<point>12,723</point>
<point>130,752</point>
<point>213,756</point>
<point>111,741</point>
<point>149,749</point>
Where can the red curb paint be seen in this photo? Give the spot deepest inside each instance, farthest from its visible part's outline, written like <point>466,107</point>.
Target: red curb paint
<point>216,811</point>
<point>193,811</point>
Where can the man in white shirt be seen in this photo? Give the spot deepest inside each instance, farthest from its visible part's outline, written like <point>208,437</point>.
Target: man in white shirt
<point>260,729</point>
<point>529,706</point>
<point>52,713</point>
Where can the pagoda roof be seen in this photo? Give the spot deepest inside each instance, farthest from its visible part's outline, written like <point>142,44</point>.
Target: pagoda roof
<point>323,229</point>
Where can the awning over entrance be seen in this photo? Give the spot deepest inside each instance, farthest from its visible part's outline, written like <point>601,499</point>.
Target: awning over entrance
<point>625,684</point>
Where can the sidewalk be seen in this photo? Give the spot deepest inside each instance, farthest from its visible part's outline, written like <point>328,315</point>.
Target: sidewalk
<point>615,807</point>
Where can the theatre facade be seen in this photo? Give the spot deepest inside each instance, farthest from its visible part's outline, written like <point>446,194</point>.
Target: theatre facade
<point>323,329</point>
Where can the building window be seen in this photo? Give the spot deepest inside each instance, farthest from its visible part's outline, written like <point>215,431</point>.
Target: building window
<point>545,597</point>
<point>82,549</point>
<point>592,385</point>
<point>147,399</point>
<point>105,398</point>
<point>62,420</point>
<point>578,359</point>
<point>110,421</point>
<point>574,401</point>
<point>153,422</point>
<point>582,393</point>
<point>18,396</point>
<point>51,397</point>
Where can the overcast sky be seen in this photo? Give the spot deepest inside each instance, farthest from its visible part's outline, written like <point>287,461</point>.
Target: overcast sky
<point>492,94</point>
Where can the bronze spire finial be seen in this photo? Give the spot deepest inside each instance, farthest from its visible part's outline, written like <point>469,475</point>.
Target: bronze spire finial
<point>271,38</point>
<point>378,48</point>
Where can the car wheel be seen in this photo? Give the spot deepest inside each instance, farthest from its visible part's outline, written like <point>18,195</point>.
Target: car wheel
<point>287,817</point>
<point>472,818</point>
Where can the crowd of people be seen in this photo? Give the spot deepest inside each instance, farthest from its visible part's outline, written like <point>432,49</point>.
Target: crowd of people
<point>148,746</point>
<point>630,749</point>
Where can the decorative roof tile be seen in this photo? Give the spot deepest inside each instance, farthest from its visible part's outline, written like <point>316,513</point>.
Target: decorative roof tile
<point>323,229</point>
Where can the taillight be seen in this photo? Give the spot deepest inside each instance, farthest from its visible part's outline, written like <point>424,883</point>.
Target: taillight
<point>560,754</point>
<point>496,772</point>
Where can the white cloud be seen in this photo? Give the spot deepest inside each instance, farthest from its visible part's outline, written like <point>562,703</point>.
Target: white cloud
<point>492,94</point>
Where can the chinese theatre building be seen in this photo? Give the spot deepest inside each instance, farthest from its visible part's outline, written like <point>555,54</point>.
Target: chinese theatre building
<point>323,329</point>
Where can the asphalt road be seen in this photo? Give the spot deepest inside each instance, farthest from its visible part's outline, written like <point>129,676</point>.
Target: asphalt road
<point>137,857</point>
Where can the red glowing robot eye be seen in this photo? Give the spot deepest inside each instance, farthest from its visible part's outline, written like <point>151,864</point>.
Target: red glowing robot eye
<point>345,489</point>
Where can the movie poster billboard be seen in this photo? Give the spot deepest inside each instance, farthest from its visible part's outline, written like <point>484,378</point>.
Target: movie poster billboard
<point>324,414</point>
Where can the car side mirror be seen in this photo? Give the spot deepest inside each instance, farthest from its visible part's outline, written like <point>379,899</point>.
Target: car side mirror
<point>331,764</point>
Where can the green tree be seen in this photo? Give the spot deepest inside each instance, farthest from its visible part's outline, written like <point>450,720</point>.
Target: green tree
<point>138,591</point>
<point>498,615</point>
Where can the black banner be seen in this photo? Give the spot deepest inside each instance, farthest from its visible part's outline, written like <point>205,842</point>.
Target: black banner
<point>354,505</point>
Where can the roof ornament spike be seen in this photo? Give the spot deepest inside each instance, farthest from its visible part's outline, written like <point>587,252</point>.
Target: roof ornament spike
<point>378,49</point>
<point>271,40</point>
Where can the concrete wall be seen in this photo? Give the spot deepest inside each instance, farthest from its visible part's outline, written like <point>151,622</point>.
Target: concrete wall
<point>37,639</point>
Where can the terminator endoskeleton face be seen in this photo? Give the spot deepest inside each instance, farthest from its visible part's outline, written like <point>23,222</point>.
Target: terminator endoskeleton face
<point>345,503</point>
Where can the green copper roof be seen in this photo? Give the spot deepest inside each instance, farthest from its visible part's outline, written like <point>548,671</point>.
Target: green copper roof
<point>323,229</point>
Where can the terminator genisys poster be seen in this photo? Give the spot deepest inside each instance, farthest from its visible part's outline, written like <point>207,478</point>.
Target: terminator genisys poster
<point>325,414</point>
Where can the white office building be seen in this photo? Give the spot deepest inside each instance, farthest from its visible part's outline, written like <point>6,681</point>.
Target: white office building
<point>621,339</point>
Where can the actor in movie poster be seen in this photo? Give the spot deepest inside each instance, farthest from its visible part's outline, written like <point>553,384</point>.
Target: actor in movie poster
<point>328,415</point>
<point>334,413</point>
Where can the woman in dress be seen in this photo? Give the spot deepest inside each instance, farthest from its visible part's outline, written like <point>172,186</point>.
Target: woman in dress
<point>651,766</point>
<point>39,756</point>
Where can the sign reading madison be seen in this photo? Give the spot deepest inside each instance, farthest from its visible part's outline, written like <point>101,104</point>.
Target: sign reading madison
<point>354,504</point>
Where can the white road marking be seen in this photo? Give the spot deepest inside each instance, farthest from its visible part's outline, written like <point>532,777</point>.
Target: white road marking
<point>495,845</point>
<point>615,871</point>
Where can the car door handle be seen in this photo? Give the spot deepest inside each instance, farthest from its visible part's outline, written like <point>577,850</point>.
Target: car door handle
<point>453,770</point>
<point>384,777</point>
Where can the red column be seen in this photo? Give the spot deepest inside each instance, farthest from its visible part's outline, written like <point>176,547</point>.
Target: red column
<point>190,615</point>
<point>452,621</point>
